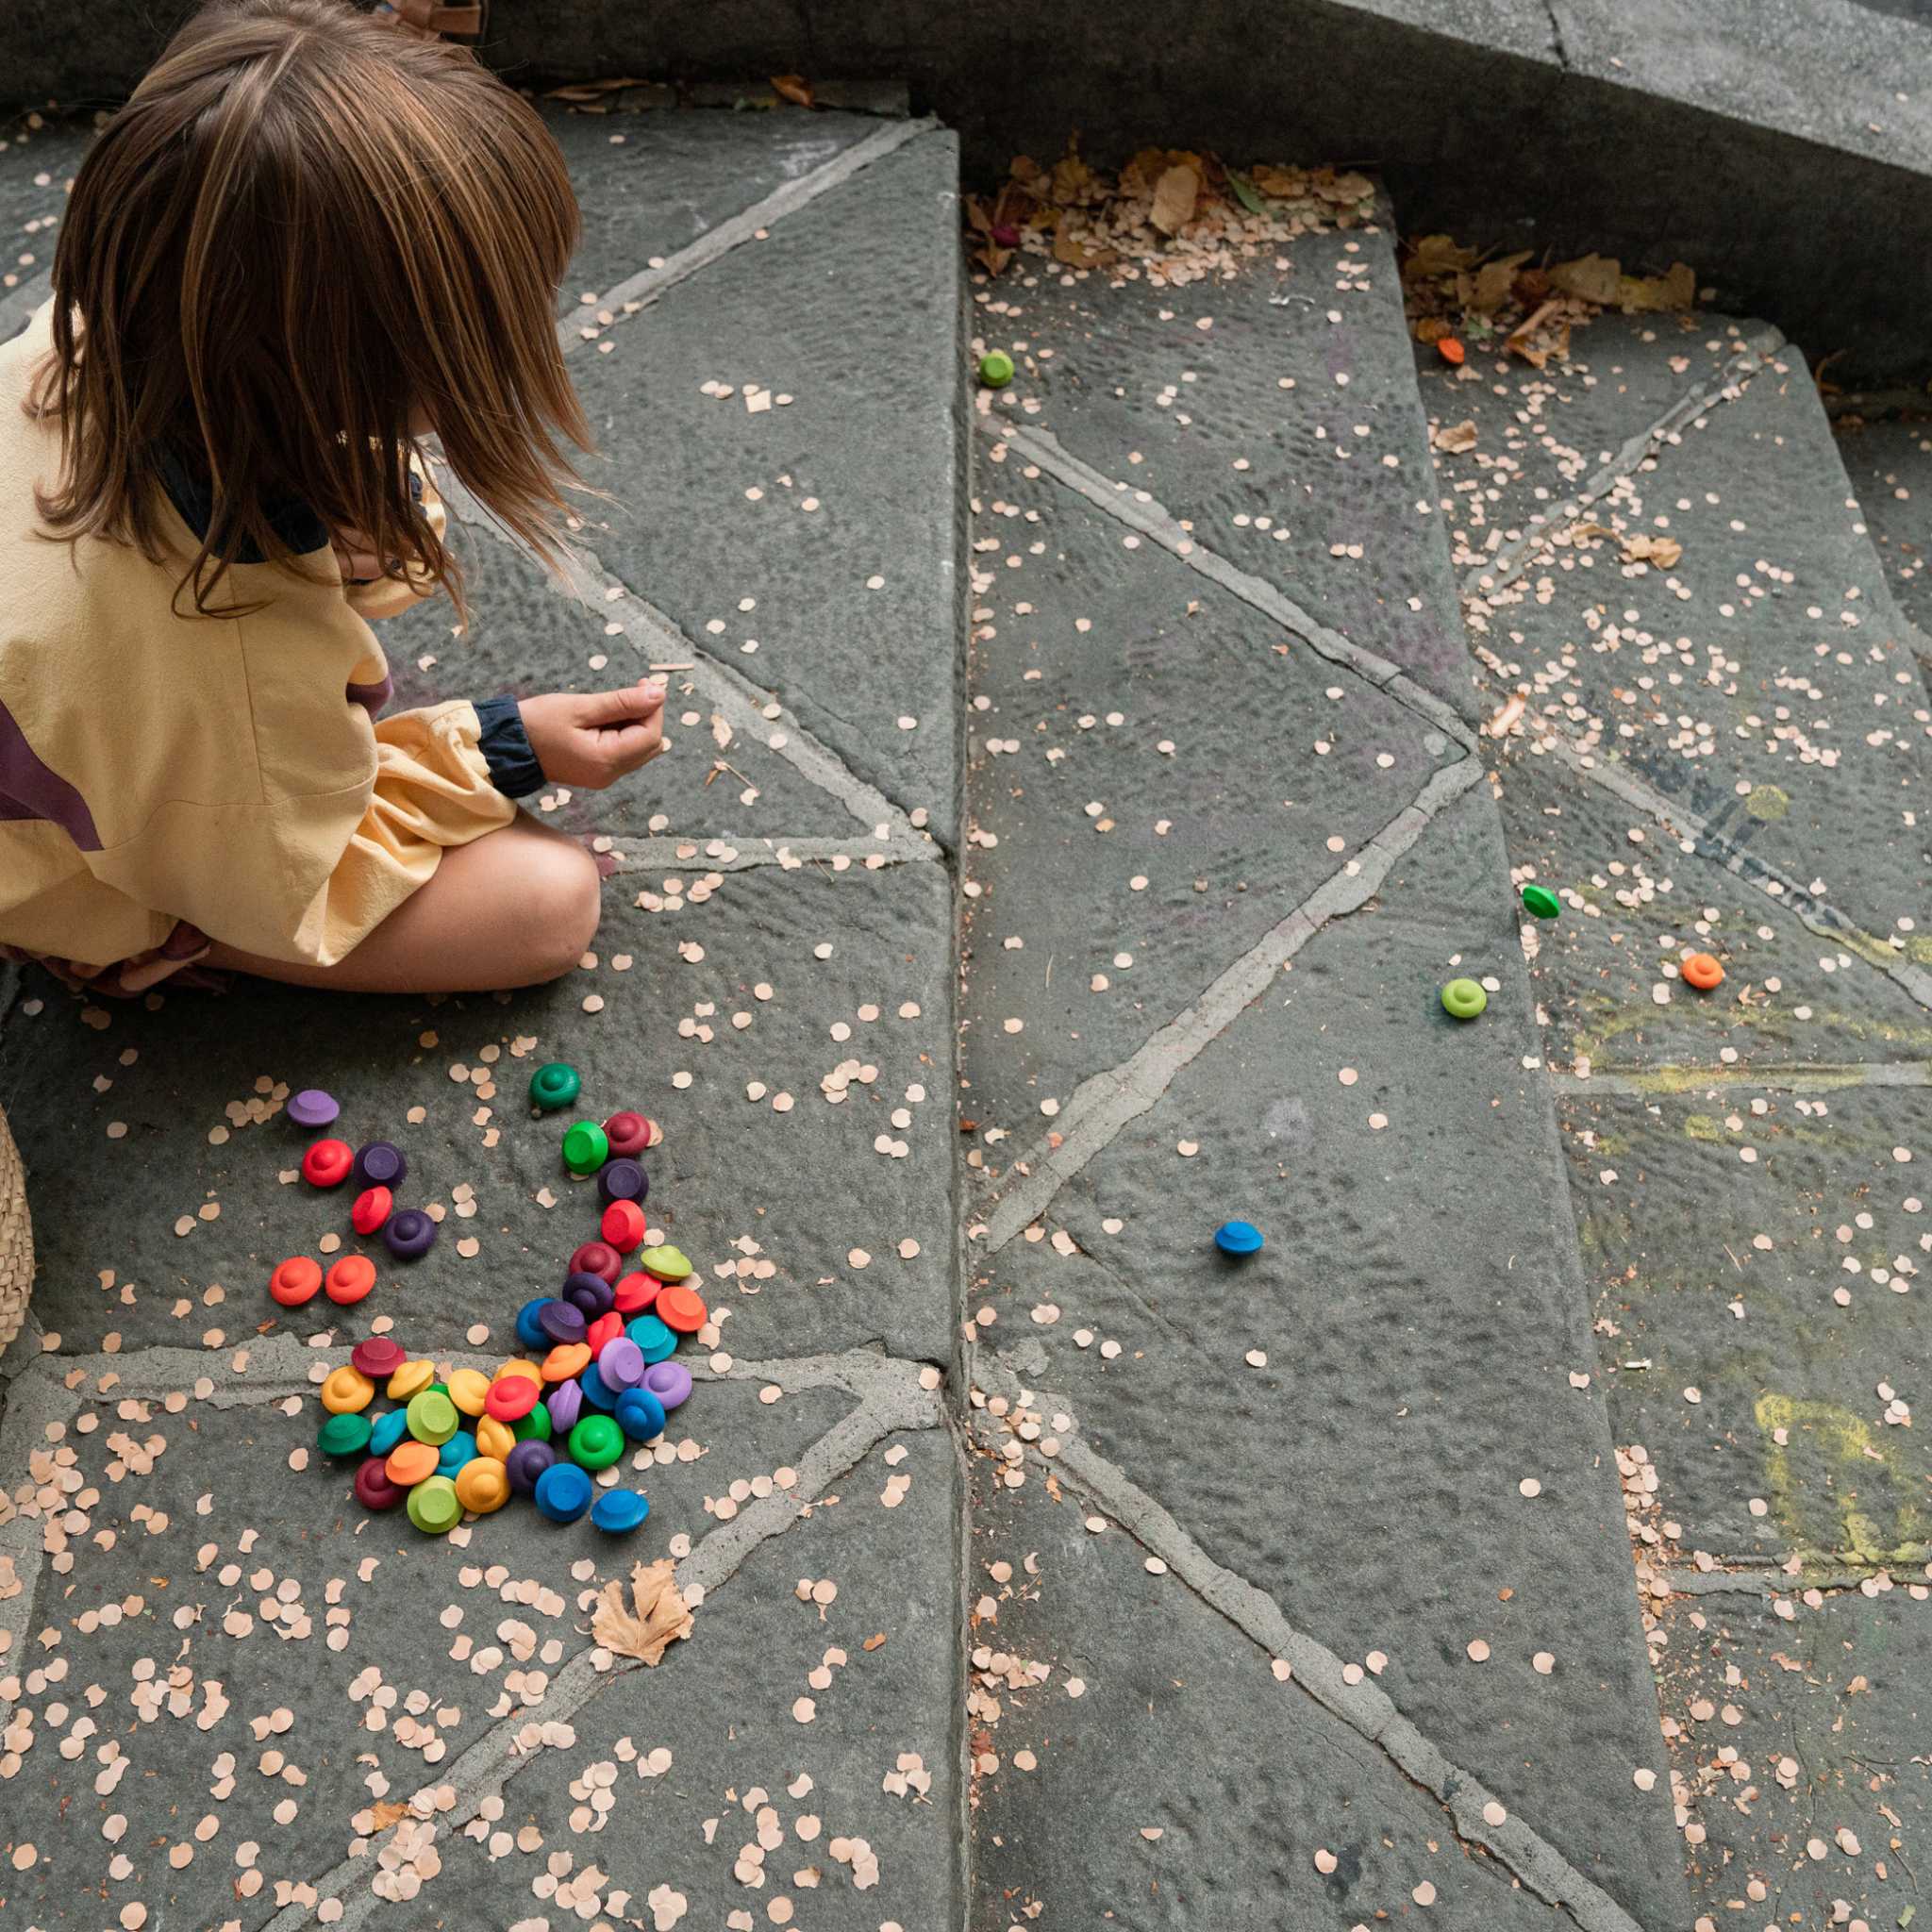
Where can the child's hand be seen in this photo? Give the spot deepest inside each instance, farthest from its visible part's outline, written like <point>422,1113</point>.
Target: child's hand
<point>591,739</point>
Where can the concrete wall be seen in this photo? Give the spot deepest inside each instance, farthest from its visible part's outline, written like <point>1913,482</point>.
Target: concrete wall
<point>1763,141</point>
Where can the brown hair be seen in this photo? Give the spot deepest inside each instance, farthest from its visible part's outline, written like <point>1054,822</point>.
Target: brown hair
<point>302,230</point>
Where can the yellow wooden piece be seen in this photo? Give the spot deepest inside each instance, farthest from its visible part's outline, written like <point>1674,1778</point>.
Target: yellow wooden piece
<point>347,1392</point>
<point>467,1387</point>
<point>483,1485</point>
<point>410,1379</point>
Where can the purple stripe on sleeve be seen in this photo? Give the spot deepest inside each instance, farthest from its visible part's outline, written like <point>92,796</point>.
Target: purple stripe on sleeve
<point>371,696</point>
<point>28,789</point>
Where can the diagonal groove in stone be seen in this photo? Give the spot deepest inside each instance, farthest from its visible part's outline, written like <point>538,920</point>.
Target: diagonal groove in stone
<point>1511,559</point>
<point>891,1399</point>
<point>1676,1077</point>
<point>697,852</point>
<point>1364,1709</point>
<point>648,284</point>
<point>1043,449</point>
<point>1817,915</point>
<point>887,1393</point>
<point>1104,1102</point>
<point>737,700</point>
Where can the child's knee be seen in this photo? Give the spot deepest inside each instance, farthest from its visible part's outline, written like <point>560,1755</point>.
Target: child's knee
<point>566,900</point>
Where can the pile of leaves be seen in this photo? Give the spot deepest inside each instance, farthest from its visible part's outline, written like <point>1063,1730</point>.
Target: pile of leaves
<point>1529,308</point>
<point>1170,214</point>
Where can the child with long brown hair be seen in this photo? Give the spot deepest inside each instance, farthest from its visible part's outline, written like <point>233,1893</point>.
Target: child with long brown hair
<point>305,244</point>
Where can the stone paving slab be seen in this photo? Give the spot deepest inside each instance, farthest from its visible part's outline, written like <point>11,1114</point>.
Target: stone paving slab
<point>875,1768</point>
<point>1284,433</point>
<point>1764,680</point>
<point>773,982</point>
<point>651,183</point>
<point>1633,898</point>
<point>731,1170</point>
<point>1799,1752</point>
<point>1386,1515</point>
<point>174,1579</point>
<point>1890,467</point>
<point>526,636</point>
<point>1233,770</point>
<point>1137,1756</point>
<point>850,308</point>
<point>1728,1226</point>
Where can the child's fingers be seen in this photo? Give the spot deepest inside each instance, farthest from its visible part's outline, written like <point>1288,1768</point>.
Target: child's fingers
<point>629,704</point>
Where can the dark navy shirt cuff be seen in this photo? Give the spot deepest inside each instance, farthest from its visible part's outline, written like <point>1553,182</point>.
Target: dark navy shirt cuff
<point>513,767</point>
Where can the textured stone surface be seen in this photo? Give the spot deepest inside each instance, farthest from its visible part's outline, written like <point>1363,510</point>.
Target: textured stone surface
<point>1387,1513</point>
<point>850,308</point>
<point>166,1519</point>
<point>1402,1167</point>
<point>1730,1221</point>
<point>1764,679</point>
<point>1606,1002</point>
<point>1890,467</point>
<point>1278,769</point>
<point>1292,410</point>
<point>1183,1784</point>
<point>1654,133</point>
<point>730,1169</point>
<point>1824,1707</point>
<point>652,184</point>
<point>524,636</point>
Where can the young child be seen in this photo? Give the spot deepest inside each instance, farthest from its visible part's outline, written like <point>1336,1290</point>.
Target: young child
<point>308,242</point>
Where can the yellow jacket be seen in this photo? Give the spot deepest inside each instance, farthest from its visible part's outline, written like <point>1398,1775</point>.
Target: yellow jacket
<point>228,772</point>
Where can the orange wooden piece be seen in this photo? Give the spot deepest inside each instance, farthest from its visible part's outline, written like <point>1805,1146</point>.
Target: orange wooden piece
<point>566,1359</point>
<point>1451,351</point>
<point>1701,971</point>
<point>409,1462</point>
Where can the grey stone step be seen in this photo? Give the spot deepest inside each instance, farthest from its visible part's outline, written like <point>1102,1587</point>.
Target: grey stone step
<point>1743,1164</point>
<point>1764,685</point>
<point>773,982</point>
<point>1277,1054</point>
<point>1890,467</point>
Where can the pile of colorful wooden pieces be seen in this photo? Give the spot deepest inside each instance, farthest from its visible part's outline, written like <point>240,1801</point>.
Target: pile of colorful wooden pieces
<point>547,1424</point>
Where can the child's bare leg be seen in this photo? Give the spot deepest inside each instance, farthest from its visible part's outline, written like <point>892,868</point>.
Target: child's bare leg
<point>513,907</point>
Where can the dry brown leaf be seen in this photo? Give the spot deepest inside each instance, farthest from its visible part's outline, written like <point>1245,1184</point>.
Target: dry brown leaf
<point>1455,436</point>
<point>1341,189</point>
<point>660,1618</point>
<point>795,88</point>
<point>1433,256</point>
<point>1585,530</point>
<point>1075,254</point>
<point>1495,283</point>
<point>1523,341</point>
<point>1662,551</point>
<point>1175,195</point>
<point>389,1812</point>
<point>1595,278</point>
<point>1284,184</point>
<point>1074,182</point>
<point>1650,293</point>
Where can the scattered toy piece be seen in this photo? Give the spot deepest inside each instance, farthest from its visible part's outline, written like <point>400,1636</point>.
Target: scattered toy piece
<point>1450,350</point>
<point>1238,1238</point>
<point>1463,999</point>
<point>1703,972</point>
<point>996,369</point>
<point>295,1281</point>
<point>553,1085</point>
<point>586,1148</point>
<point>327,1163</point>
<point>373,1208</point>
<point>379,1164</point>
<point>312,1108</point>
<point>1541,901</point>
<point>410,1233</point>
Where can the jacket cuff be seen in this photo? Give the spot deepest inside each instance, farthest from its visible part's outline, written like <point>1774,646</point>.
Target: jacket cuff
<point>506,747</point>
